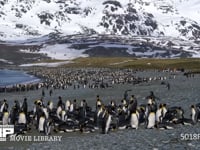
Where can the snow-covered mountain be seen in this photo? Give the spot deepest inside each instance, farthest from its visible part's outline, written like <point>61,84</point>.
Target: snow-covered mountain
<point>33,18</point>
<point>140,28</point>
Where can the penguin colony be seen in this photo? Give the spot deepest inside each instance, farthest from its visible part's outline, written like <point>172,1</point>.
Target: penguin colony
<point>67,116</point>
<point>62,78</point>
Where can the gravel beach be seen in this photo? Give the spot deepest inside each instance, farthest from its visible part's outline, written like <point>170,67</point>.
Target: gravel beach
<point>183,92</point>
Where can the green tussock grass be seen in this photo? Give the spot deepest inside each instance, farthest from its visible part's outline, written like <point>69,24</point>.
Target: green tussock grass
<point>128,62</point>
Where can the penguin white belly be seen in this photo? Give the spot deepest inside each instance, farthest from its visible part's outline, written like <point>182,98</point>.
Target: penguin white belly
<point>98,103</point>
<point>47,128</point>
<point>134,120</point>
<point>5,118</point>
<point>158,115</point>
<point>67,105</point>
<point>51,105</point>
<point>2,107</point>
<point>151,120</point>
<point>71,108</point>
<point>108,122</point>
<point>164,111</point>
<point>99,112</point>
<point>146,111</point>
<point>22,118</point>
<point>46,113</point>
<point>63,115</point>
<point>150,101</point>
<point>193,115</point>
<point>41,124</point>
<point>58,112</point>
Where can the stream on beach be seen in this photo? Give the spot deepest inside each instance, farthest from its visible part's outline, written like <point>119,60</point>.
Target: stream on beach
<point>13,77</point>
<point>183,92</point>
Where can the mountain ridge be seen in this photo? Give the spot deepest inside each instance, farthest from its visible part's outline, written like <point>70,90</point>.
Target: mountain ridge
<point>34,18</point>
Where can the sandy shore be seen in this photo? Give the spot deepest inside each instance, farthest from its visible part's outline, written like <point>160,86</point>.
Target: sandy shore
<point>183,92</point>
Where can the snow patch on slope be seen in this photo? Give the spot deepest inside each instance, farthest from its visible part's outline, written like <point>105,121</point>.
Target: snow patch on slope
<point>61,52</point>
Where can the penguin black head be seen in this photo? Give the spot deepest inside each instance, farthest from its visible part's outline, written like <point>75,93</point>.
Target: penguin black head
<point>160,106</point>
<point>42,114</point>
<point>142,109</point>
<point>21,111</point>
<point>39,103</point>
<point>36,102</point>
<point>192,106</point>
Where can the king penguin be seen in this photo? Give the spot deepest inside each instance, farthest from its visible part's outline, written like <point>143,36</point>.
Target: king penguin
<point>41,123</point>
<point>194,114</point>
<point>134,120</point>
<point>22,118</point>
<point>5,119</point>
<point>106,122</point>
<point>151,119</point>
<point>50,106</point>
<point>159,114</point>
<point>67,105</point>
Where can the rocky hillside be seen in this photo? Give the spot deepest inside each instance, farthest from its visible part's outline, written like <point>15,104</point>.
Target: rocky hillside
<point>21,19</point>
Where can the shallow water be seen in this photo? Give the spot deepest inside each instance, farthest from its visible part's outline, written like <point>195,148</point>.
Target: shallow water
<point>184,92</point>
<point>13,77</point>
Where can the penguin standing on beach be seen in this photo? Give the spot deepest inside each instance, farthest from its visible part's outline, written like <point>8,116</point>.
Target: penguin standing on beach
<point>134,121</point>
<point>151,119</point>
<point>107,119</point>
<point>159,114</point>
<point>44,125</point>
<point>4,106</point>
<point>41,123</point>
<point>194,114</point>
<point>38,111</point>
